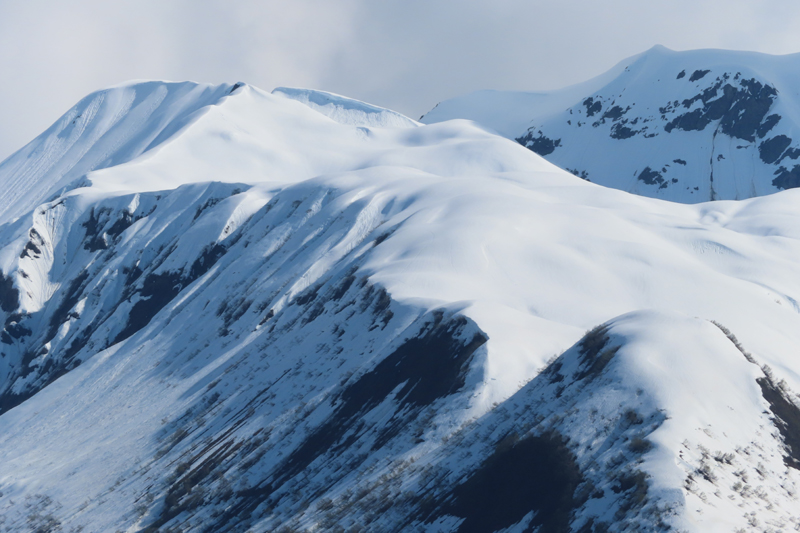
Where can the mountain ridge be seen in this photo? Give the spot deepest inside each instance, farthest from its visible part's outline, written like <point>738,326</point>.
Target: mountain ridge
<point>279,321</point>
<point>661,124</point>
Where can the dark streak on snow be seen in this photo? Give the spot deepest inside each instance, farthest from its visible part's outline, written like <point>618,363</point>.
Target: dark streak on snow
<point>14,329</point>
<point>122,223</point>
<point>32,247</point>
<point>619,131</point>
<point>769,123</point>
<point>537,473</point>
<point>786,419</point>
<point>785,412</point>
<point>430,365</point>
<point>787,179</point>
<point>53,367</point>
<point>94,239</point>
<point>592,106</point>
<point>9,295</point>
<point>160,289</point>
<point>425,367</point>
<point>68,301</point>
<point>541,145</point>
<point>651,177</point>
<point>771,150</point>
<point>594,354</point>
<point>740,110</point>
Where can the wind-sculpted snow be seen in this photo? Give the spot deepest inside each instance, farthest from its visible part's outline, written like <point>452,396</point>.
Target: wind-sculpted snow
<point>281,322</point>
<point>346,110</point>
<point>105,129</point>
<point>681,126</point>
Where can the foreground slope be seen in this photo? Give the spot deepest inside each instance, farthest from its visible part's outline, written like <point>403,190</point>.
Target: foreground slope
<point>681,126</point>
<point>300,312</point>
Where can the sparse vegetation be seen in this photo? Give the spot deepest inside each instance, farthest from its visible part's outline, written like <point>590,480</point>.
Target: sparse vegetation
<point>639,445</point>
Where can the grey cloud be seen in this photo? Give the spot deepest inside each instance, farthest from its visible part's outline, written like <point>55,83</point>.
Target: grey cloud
<point>407,55</point>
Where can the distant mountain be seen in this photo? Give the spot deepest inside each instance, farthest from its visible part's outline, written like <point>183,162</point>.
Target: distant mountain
<point>681,126</point>
<point>226,310</point>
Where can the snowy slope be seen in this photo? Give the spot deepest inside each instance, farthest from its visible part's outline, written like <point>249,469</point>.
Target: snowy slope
<point>290,316</point>
<point>106,128</point>
<point>682,126</point>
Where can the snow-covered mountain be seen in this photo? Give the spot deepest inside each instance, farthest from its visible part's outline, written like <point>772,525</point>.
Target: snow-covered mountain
<point>681,126</point>
<point>228,310</point>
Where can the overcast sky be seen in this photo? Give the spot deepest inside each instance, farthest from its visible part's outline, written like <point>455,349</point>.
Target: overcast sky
<point>403,54</point>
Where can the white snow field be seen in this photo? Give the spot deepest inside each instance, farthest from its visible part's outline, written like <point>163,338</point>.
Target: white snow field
<point>681,126</point>
<point>228,310</point>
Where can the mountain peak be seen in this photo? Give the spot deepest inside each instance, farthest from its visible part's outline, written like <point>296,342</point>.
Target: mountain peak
<point>106,128</point>
<point>683,126</point>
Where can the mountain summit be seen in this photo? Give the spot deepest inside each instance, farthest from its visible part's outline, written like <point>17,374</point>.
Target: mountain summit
<point>681,126</point>
<point>226,310</point>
